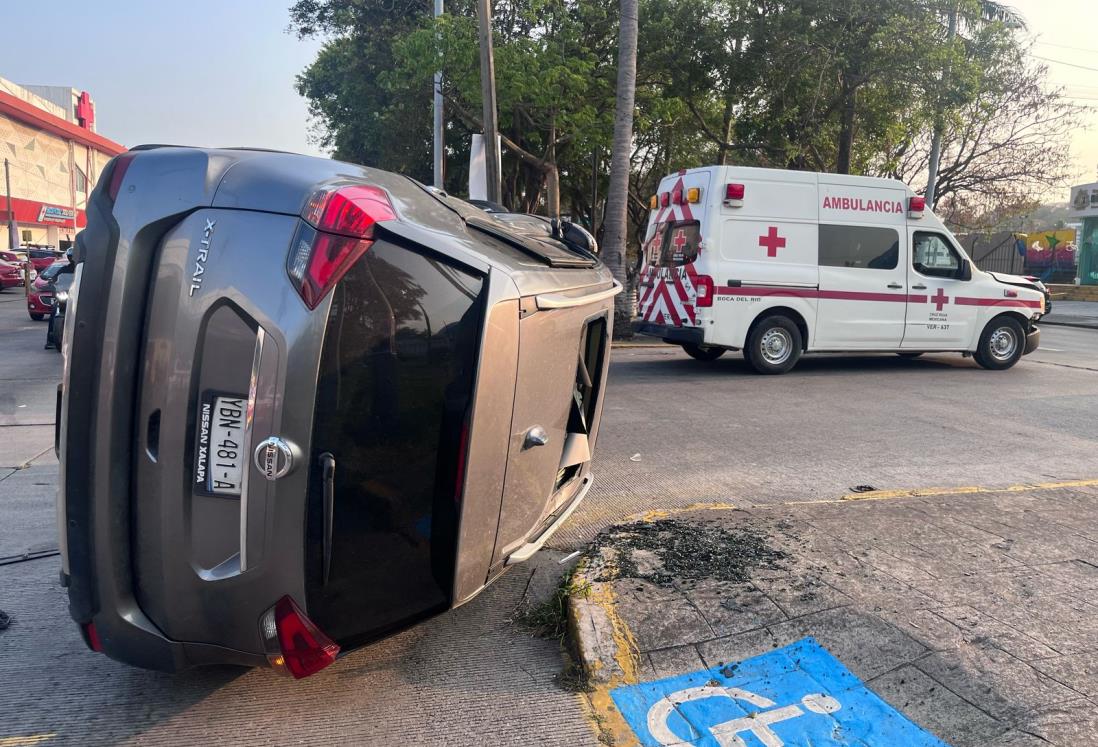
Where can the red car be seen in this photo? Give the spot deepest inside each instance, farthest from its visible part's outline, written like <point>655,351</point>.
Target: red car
<point>43,258</point>
<point>11,274</point>
<point>40,298</point>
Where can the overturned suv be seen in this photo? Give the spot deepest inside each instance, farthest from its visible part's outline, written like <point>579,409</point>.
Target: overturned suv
<point>307,403</point>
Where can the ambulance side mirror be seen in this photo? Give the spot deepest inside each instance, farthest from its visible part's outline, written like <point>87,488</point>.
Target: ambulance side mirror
<point>966,270</point>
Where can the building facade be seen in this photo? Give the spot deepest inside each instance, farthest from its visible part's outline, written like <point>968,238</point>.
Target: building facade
<point>53,157</point>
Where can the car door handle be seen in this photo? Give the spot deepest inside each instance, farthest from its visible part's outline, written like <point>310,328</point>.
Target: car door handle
<point>919,287</point>
<point>894,285</point>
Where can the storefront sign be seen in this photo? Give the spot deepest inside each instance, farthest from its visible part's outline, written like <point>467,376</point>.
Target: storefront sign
<point>1084,201</point>
<point>55,214</point>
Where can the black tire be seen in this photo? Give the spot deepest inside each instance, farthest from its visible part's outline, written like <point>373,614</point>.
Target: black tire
<point>37,317</point>
<point>909,355</point>
<point>1001,344</point>
<point>774,345</point>
<point>702,354</point>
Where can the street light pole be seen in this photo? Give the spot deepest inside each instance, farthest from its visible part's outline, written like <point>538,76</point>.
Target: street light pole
<point>440,176</point>
<point>12,230</point>
<point>488,94</point>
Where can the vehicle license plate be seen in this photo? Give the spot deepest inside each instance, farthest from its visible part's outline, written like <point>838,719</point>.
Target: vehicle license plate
<point>219,445</point>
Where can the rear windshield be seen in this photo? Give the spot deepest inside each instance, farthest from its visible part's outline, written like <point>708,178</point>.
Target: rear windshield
<point>393,392</point>
<point>674,244</point>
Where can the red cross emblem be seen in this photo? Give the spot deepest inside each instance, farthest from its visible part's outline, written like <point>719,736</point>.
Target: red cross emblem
<point>939,299</point>
<point>679,240</point>
<point>772,241</point>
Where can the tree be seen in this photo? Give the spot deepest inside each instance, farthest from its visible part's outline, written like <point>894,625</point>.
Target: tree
<point>620,161</point>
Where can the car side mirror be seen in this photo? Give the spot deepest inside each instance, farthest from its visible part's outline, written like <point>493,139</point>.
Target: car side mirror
<point>966,270</point>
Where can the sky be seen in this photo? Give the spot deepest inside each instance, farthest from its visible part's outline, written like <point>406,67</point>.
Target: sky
<point>208,72</point>
<point>199,72</point>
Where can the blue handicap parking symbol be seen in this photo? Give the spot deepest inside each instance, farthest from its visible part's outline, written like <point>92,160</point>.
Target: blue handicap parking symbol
<point>797,695</point>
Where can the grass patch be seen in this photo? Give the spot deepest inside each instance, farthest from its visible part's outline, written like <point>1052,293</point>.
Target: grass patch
<point>549,619</point>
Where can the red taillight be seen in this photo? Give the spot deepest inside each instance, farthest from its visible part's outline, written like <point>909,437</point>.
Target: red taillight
<point>733,191</point>
<point>118,173</point>
<point>665,199</point>
<point>91,637</point>
<point>915,206</point>
<point>293,643</point>
<point>703,291</point>
<point>340,229</point>
<point>676,196</point>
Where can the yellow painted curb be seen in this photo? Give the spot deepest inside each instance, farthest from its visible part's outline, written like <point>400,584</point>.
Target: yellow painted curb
<point>27,741</point>
<point>881,495</point>
<point>656,514</point>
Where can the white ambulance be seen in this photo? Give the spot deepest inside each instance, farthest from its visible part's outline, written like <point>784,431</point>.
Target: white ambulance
<point>778,263</point>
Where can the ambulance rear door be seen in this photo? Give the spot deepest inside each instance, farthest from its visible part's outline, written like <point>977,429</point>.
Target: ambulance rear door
<point>667,287</point>
<point>863,267</point>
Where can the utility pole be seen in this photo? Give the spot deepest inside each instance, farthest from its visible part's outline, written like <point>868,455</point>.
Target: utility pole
<point>13,231</point>
<point>939,124</point>
<point>488,94</point>
<point>440,176</point>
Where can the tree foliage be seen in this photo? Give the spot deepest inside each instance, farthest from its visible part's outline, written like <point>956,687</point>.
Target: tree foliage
<point>829,85</point>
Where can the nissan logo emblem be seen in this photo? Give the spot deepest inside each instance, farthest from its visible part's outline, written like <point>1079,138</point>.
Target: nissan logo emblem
<point>274,458</point>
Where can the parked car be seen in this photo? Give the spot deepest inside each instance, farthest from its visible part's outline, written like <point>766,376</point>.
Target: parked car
<point>317,403</point>
<point>12,274</point>
<point>43,258</point>
<point>40,298</point>
<point>794,262</point>
<point>58,289</point>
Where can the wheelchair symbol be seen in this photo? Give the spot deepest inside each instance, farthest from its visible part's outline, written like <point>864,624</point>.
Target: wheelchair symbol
<point>727,733</point>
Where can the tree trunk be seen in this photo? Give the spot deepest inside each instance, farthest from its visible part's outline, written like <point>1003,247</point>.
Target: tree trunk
<point>617,197</point>
<point>846,131</point>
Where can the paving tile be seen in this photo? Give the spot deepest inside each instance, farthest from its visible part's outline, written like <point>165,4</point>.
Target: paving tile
<point>994,681</point>
<point>1077,671</point>
<point>732,648</point>
<point>733,608</point>
<point>668,662</point>
<point>980,628</point>
<point>975,557</point>
<point>873,588</point>
<point>1079,574</point>
<point>1064,622</point>
<point>1064,724</point>
<point>935,708</point>
<point>799,594</point>
<point>659,617</point>
<point>865,643</point>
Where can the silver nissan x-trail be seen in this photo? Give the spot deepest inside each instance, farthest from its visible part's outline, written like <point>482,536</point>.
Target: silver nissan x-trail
<point>306,404</point>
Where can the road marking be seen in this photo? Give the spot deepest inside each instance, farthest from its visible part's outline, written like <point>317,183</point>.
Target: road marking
<point>796,695</point>
<point>1050,350</point>
<point>27,741</point>
<point>880,495</point>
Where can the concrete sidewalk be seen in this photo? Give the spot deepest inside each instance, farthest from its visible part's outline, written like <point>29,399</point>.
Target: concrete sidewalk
<point>1073,314</point>
<point>974,614</point>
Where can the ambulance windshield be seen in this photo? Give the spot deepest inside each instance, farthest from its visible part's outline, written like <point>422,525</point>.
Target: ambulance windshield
<point>673,244</point>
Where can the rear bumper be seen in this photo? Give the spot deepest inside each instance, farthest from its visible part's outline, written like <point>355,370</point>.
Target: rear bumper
<point>673,335</point>
<point>1033,339</point>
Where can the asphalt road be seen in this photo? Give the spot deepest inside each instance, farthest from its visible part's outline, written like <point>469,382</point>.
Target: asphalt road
<point>675,432</point>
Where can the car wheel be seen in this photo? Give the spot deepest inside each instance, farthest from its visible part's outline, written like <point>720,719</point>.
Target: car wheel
<point>702,354</point>
<point>37,317</point>
<point>774,345</point>
<point>1001,344</point>
<point>909,355</point>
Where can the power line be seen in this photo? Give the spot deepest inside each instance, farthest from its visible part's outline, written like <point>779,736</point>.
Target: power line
<point>1069,64</point>
<point>1065,46</point>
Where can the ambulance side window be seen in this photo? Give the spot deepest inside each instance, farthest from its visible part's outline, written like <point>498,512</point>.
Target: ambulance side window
<point>864,247</point>
<point>932,255</point>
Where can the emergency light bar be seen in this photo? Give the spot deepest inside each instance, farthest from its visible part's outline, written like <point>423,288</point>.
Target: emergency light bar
<point>654,202</point>
<point>665,199</point>
<point>733,195</point>
<point>676,196</point>
<point>693,195</point>
<point>915,206</point>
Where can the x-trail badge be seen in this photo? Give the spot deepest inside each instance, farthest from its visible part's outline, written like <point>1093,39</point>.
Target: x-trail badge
<point>274,458</point>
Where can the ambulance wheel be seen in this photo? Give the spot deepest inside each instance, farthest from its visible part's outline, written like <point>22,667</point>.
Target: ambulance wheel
<point>774,345</point>
<point>909,355</point>
<point>1001,344</point>
<point>702,354</point>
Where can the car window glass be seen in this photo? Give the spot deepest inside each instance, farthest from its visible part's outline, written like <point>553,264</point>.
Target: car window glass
<point>862,247</point>
<point>932,255</point>
<point>63,281</point>
<point>674,244</point>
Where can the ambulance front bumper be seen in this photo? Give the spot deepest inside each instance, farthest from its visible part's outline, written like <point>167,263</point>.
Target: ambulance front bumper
<point>672,335</point>
<point>1033,339</point>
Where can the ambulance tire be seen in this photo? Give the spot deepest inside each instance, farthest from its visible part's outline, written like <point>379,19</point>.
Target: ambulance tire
<point>702,354</point>
<point>774,345</point>
<point>1001,345</point>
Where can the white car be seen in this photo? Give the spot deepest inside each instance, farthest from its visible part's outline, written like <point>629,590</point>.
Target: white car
<point>778,263</point>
